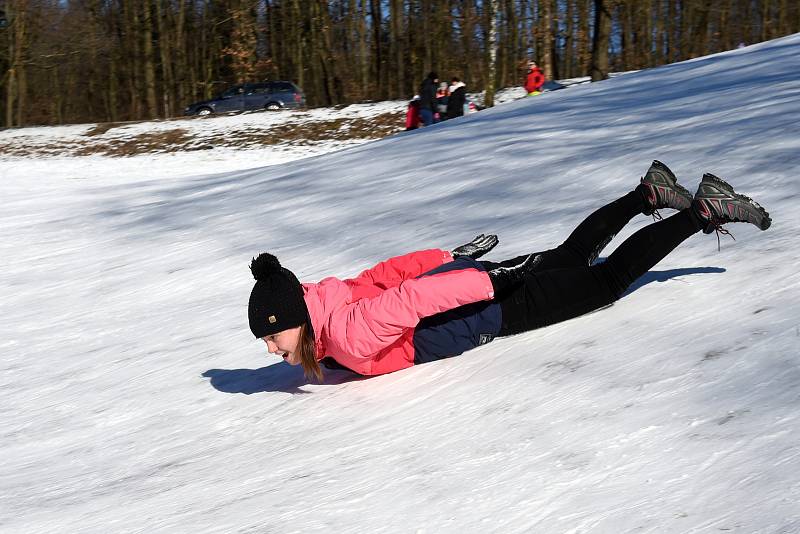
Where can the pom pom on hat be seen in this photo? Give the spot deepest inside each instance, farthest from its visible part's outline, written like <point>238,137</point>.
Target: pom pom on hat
<point>276,301</point>
<point>264,265</point>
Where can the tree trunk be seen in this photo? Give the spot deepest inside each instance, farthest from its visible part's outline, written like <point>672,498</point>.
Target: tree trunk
<point>602,31</point>
<point>547,38</point>
<point>16,15</point>
<point>468,16</point>
<point>10,75</point>
<point>673,31</point>
<point>22,89</point>
<point>179,72</point>
<point>765,20</point>
<point>58,100</point>
<point>113,91</point>
<point>133,68</point>
<point>362,46</point>
<point>168,83</point>
<point>149,63</point>
<point>698,37</point>
<point>584,31</point>
<point>626,33</point>
<point>397,42</point>
<point>325,67</point>
<point>567,64</point>
<point>647,52</point>
<point>491,46</point>
<point>661,34</point>
<point>424,35</point>
<point>299,44</point>
<point>377,73</point>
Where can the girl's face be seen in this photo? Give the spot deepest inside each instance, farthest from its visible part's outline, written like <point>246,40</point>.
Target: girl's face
<point>284,344</point>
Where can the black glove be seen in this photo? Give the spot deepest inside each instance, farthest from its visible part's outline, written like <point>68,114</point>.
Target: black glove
<point>504,278</point>
<point>477,247</point>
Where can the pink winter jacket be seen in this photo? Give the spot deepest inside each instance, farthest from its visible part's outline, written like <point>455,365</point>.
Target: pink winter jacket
<point>367,323</point>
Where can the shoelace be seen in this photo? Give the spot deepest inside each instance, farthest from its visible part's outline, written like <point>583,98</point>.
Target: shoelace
<point>719,230</point>
<point>652,198</point>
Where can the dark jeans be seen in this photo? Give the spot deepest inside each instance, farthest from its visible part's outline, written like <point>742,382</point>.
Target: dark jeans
<point>566,285</point>
<point>426,115</point>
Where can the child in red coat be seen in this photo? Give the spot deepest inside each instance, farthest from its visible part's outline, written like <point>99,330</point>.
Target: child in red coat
<point>535,79</point>
<point>413,118</point>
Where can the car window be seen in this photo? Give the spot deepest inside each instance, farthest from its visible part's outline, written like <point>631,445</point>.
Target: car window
<point>282,87</point>
<point>233,91</point>
<point>256,88</point>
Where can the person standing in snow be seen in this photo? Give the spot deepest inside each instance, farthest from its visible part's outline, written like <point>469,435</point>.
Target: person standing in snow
<point>442,95</point>
<point>436,304</point>
<point>427,98</point>
<point>534,79</point>
<point>458,97</point>
<point>412,114</point>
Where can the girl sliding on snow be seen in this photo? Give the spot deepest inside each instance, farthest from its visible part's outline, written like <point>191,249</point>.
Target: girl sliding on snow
<point>436,304</point>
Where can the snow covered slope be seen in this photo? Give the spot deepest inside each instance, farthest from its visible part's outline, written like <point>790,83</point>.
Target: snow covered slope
<point>135,400</point>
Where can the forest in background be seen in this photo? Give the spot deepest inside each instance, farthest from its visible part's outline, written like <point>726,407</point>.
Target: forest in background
<point>76,61</point>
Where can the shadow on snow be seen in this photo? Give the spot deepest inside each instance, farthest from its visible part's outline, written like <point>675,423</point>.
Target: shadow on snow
<point>276,377</point>
<point>663,276</point>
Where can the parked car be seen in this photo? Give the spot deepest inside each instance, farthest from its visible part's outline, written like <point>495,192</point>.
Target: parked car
<point>251,96</point>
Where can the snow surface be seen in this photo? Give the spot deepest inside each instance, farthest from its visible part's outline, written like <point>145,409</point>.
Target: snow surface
<point>134,398</point>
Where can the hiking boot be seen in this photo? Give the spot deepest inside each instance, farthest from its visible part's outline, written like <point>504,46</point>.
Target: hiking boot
<point>661,190</point>
<point>716,203</point>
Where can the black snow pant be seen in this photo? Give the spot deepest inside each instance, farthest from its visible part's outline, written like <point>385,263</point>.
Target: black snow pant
<point>566,284</point>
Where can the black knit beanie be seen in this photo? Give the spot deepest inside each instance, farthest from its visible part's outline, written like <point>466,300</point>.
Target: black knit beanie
<point>276,302</point>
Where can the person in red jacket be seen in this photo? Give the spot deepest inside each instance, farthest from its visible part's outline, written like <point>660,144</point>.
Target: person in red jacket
<point>535,79</point>
<point>413,119</point>
<point>435,304</point>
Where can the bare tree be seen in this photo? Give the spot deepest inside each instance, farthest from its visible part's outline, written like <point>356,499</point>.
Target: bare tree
<point>600,43</point>
<point>16,15</point>
<point>491,52</point>
<point>548,38</point>
<point>397,48</point>
<point>148,59</point>
<point>94,60</point>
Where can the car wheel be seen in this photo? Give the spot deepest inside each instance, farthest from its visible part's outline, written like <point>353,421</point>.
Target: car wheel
<point>204,111</point>
<point>273,106</point>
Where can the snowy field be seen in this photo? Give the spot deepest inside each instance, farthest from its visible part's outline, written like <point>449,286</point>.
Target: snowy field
<point>134,399</point>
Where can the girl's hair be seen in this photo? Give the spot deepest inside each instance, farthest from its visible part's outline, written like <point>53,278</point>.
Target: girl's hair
<point>307,350</point>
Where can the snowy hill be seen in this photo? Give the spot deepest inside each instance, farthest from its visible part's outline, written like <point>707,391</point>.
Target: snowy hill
<point>134,398</point>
